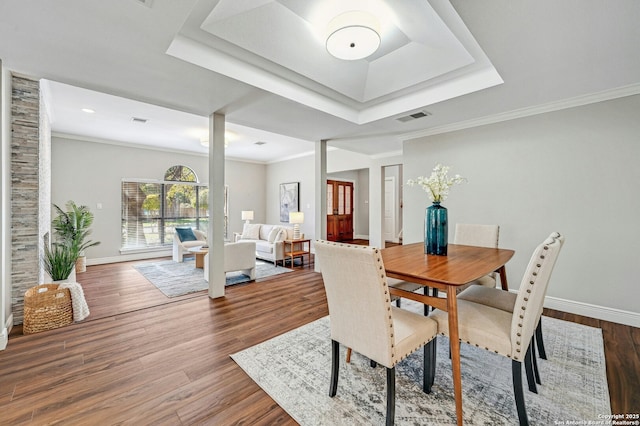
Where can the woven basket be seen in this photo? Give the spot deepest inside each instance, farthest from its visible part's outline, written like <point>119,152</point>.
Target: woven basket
<point>46,308</point>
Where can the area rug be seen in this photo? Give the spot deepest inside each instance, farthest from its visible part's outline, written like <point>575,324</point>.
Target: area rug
<point>294,369</point>
<point>176,279</point>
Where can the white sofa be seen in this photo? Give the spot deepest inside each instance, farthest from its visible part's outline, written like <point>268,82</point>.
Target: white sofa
<point>237,257</point>
<point>180,248</point>
<point>269,240</point>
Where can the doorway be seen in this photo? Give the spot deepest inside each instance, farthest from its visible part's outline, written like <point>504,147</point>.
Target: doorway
<point>339,210</point>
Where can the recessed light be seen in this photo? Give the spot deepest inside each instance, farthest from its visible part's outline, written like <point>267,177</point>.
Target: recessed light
<point>88,110</point>
<point>139,120</point>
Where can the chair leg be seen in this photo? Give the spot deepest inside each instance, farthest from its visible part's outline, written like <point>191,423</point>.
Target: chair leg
<point>372,363</point>
<point>335,367</point>
<point>541,351</point>
<point>516,371</point>
<point>534,361</point>
<point>348,355</point>
<point>391,396</point>
<point>429,366</point>
<point>398,302</point>
<point>528,367</point>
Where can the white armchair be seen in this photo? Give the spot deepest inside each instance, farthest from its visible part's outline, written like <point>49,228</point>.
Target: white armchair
<point>237,257</point>
<point>180,248</point>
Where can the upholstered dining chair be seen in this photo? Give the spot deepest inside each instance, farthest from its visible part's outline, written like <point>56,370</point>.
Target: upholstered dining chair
<point>482,236</point>
<point>504,300</point>
<point>510,333</point>
<point>362,317</point>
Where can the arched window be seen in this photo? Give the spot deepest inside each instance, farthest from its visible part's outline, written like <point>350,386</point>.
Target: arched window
<point>180,174</point>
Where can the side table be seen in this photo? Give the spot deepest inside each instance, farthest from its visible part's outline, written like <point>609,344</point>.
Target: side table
<point>297,248</point>
<point>200,252</point>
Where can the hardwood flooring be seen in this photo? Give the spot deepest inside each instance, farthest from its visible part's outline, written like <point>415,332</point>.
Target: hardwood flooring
<point>142,358</point>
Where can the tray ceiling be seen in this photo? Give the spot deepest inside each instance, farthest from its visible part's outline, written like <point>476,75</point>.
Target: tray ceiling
<point>426,55</point>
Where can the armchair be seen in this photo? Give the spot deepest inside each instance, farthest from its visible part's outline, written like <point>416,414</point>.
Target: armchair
<point>180,248</point>
<point>237,257</point>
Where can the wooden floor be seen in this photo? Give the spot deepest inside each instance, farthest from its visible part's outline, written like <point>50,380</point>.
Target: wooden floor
<point>142,358</point>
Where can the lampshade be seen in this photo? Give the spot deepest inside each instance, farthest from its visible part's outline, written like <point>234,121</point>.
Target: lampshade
<point>247,215</point>
<point>353,35</point>
<point>296,217</point>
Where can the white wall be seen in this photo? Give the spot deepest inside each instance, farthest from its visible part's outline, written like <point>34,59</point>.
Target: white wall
<point>574,171</point>
<point>90,173</point>
<point>301,170</point>
<point>246,192</point>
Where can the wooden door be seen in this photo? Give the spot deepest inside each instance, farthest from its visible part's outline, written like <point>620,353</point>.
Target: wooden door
<point>339,210</point>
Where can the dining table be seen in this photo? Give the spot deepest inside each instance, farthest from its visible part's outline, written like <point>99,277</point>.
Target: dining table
<point>446,275</point>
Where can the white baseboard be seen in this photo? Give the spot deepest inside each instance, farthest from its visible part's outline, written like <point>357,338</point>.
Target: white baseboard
<point>4,334</point>
<point>593,311</point>
<point>128,257</point>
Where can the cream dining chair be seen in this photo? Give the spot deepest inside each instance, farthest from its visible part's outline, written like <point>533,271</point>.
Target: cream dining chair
<point>482,236</point>
<point>362,317</point>
<point>510,333</point>
<point>465,234</point>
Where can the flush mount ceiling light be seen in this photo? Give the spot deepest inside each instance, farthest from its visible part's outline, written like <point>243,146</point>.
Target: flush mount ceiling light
<point>353,35</point>
<point>204,141</point>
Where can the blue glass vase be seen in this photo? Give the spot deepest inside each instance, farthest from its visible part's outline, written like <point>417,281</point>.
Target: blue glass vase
<point>435,230</point>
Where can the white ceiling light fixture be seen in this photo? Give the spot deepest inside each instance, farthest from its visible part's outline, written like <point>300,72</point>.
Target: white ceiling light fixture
<point>353,35</point>
<point>204,141</point>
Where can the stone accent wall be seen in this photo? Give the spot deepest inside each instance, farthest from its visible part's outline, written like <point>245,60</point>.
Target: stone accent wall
<point>25,144</point>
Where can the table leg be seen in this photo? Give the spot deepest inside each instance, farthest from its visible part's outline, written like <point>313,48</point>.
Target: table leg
<point>200,260</point>
<point>503,278</point>
<point>452,308</point>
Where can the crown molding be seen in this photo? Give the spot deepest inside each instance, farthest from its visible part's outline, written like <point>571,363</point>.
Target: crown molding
<point>620,92</point>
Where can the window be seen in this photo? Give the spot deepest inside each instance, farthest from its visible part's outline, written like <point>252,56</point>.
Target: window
<point>152,209</point>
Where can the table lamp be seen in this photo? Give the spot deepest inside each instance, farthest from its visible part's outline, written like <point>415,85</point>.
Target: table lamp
<point>247,215</point>
<point>296,218</point>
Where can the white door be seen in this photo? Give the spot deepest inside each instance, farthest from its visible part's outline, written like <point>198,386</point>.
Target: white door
<point>390,209</point>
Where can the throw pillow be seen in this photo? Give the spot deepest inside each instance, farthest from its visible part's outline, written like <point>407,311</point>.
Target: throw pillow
<point>282,235</point>
<point>251,231</point>
<point>186,234</point>
<point>273,234</point>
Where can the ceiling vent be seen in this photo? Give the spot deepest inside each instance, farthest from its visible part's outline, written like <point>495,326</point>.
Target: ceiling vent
<point>147,3</point>
<point>139,120</point>
<point>260,143</point>
<point>414,116</point>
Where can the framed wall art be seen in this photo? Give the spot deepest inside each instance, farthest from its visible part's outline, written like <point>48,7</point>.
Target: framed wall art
<point>289,200</point>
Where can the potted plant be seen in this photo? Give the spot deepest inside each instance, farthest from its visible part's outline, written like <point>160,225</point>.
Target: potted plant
<point>59,261</point>
<point>72,228</point>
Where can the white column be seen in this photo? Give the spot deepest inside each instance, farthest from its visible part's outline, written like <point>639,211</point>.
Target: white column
<point>321,193</point>
<point>376,213</point>
<point>216,205</point>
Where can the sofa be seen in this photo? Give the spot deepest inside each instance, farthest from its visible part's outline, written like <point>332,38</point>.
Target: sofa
<point>237,257</point>
<point>269,240</point>
<point>192,238</point>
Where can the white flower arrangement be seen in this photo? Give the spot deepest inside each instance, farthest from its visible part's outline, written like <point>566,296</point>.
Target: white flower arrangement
<point>437,185</point>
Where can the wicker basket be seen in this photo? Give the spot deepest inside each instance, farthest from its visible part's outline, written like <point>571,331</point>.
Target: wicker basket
<point>46,308</point>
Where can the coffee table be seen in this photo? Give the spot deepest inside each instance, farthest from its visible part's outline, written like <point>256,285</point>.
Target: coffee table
<point>200,252</point>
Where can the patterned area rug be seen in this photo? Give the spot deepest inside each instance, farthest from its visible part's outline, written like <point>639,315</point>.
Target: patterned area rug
<point>294,370</point>
<point>176,279</point>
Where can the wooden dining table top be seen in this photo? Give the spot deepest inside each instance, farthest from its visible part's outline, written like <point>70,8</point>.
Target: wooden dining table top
<point>462,264</point>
